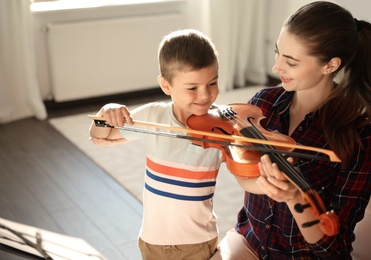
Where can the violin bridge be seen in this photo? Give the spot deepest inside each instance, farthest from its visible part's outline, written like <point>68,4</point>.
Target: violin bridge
<point>226,112</point>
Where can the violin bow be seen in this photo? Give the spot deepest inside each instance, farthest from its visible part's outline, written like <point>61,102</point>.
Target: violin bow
<point>101,122</point>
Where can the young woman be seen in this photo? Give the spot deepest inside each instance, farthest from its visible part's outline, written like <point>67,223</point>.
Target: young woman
<point>316,42</point>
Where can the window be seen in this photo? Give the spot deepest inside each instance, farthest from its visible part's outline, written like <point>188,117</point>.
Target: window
<point>51,5</point>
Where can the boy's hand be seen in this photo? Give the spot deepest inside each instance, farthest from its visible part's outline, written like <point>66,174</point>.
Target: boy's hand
<point>116,115</point>
<point>107,142</point>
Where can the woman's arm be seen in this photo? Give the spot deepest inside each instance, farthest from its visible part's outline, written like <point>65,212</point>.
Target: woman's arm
<point>273,183</point>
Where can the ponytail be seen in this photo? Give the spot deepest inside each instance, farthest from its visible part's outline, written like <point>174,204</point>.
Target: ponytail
<point>349,106</point>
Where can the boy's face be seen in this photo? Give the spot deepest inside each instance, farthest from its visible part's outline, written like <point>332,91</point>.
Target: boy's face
<point>192,92</point>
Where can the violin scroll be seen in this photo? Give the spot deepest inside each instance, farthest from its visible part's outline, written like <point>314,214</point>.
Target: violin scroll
<point>327,219</point>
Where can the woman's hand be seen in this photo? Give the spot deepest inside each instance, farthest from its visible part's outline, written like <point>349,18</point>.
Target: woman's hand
<point>273,182</point>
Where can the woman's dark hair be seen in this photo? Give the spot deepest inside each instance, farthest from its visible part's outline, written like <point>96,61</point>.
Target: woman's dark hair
<point>186,49</point>
<point>330,31</point>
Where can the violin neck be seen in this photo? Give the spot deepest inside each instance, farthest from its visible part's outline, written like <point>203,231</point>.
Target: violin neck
<point>288,169</point>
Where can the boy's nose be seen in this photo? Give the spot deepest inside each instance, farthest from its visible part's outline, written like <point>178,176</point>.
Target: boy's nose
<point>204,92</point>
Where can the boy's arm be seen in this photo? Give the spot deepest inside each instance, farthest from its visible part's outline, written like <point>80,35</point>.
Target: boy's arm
<point>248,184</point>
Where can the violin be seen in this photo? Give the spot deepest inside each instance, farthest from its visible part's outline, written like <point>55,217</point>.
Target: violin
<point>244,120</point>
<point>235,130</point>
<point>223,120</point>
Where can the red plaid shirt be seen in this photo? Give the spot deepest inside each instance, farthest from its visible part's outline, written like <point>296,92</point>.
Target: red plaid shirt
<point>269,226</point>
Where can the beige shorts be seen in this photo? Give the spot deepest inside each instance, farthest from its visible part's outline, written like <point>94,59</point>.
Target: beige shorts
<point>178,252</point>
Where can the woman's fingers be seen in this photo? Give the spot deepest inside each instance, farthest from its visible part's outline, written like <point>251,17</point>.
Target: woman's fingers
<point>273,182</point>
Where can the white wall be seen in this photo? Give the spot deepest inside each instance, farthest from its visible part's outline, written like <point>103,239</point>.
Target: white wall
<point>360,8</point>
<point>197,16</point>
<point>42,18</point>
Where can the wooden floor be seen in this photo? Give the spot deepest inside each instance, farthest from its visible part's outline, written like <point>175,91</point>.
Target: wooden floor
<point>46,182</point>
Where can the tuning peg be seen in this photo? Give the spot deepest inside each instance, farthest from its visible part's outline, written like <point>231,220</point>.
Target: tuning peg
<point>311,223</point>
<point>300,207</point>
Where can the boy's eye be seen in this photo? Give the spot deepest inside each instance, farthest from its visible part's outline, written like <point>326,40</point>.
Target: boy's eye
<point>213,83</point>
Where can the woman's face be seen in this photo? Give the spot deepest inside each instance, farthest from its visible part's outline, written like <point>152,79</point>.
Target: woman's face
<point>297,70</point>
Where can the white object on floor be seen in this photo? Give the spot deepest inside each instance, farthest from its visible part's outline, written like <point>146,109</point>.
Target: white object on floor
<point>363,237</point>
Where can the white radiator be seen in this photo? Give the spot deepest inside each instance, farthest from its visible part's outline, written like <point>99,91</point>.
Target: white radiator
<point>104,57</point>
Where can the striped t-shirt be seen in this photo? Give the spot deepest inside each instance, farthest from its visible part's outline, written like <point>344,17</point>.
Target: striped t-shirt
<point>179,183</point>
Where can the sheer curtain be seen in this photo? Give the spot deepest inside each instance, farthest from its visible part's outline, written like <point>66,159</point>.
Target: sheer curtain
<point>238,27</point>
<point>20,95</point>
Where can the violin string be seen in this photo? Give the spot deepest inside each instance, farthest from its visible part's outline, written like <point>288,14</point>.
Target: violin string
<point>200,139</point>
<point>246,129</point>
<point>300,179</point>
<point>235,119</point>
<point>288,168</point>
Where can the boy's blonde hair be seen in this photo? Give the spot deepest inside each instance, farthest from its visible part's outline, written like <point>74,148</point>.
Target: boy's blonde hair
<point>183,50</point>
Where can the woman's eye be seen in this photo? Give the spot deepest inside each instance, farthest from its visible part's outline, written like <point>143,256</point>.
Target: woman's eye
<point>290,64</point>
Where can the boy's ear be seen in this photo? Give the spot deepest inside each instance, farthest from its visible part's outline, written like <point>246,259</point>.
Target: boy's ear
<point>332,65</point>
<point>164,84</point>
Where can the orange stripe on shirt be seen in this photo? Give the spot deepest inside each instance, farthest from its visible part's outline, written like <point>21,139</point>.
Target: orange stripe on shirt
<point>182,173</point>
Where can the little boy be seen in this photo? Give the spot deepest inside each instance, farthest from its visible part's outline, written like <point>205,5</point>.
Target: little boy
<point>178,217</point>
